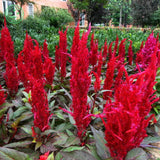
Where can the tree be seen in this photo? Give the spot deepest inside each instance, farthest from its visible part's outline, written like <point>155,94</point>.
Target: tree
<point>142,11</point>
<point>119,12</point>
<point>21,3</point>
<point>94,9</point>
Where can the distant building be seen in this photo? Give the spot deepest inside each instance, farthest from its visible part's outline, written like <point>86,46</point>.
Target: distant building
<point>30,8</point>
<point>38,5</point>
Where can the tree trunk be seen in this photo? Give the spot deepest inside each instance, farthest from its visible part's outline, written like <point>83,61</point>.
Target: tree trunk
<point>120,18</point>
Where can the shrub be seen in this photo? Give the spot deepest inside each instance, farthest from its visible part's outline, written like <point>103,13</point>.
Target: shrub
<point>56,17</point>
<point>35,23</point>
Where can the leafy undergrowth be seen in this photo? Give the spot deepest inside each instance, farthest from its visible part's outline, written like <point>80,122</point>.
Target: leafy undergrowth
<point>88,104</point>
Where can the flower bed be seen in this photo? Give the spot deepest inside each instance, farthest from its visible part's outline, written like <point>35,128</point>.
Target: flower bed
<point>86,104</point>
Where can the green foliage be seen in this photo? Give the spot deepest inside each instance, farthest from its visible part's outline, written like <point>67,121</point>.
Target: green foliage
<point>94,10</point>
<point>55,17</point>
<point>155,18</point>
<point>34,23</point>
<point>143,10</point>
<point>113,12</point>
<point>137,154</point>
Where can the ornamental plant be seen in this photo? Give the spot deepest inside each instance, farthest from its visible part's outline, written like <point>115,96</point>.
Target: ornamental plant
<point>79,83</point>
<point>108,82</point>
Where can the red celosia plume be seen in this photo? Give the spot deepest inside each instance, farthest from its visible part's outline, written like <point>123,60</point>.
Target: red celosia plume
<point>40,107</point>
<point>79,84</point>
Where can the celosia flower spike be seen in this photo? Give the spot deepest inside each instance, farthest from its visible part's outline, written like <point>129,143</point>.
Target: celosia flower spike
<point>45,51</point>
<point>40,107</point>
<point>2,96</point>
<point>108,82</point>
<point>79,84</point>
<point>48,70</point>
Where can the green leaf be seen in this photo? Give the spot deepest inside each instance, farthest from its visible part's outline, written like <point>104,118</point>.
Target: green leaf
<point>60,115</point>
<point>61,139</point>
<point>47,132</point>
<point>25,94</point>
<point>93,151</point>
<point>69,132</point>
<point>18,144</point>
<point>27,129</point>
<point>71,119</point>
<point>49,146</point>
<point>149,140</point>
<point>72,148</point>
<point>136,154</point>
<point>51,157</point>
<point>72,140</point>
<point>58,156</point>
<point>102,150</point>
<point>38,144</point>
<point>78,155</point>
<point>52,104</point>
<point>10,154</point>
<point>19,111</point>
<point>2,111</point>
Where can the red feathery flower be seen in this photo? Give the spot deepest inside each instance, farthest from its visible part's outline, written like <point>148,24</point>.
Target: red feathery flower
<point>2,96</point>
<point>105,52</point>
<point>37,64</point>
<point>49,69</point>
<point>93,55</point>
<point>27,48</point>
<point>79,83</point>
<point>44,157</point>
<point>144,57</point>
<point>97,83</point>
<point>11,78</point>
<point>40,107</point>
<point>124,130</point>
<point>22,70</point>
<point>100,63</point>
<point>57,58</point>
<point>76,40</point>
<point>45,51</point>
<point>6,45</point>
<point>62,52</point>
<point>110,50</point>
<point>121,55</point>
<point>108,83</point>
<point>133,100</point>
<point>116,46</point>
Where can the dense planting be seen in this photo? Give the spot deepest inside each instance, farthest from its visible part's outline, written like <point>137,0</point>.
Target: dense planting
<point>52,106</point>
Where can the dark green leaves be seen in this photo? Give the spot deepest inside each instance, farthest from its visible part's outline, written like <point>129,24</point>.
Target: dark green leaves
<point>102,150</point>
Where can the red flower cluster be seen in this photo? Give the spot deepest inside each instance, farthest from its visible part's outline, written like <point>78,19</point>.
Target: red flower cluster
<point>61,53</point>
<point>108,83</point>
<point>145,53</point>
<point>7,55</point>
<point>79,83</point>
<point>2,96</point>
<point>36,72</point>
<point>133,100</point>
<point>35,63</point>
<point>40,107</point>
<point>93,54</point>
<point>44,157</point>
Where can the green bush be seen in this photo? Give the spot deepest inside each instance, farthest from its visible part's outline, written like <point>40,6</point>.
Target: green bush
<point>155,18</point>
<point>56,17</point>
<point>35,23</point>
